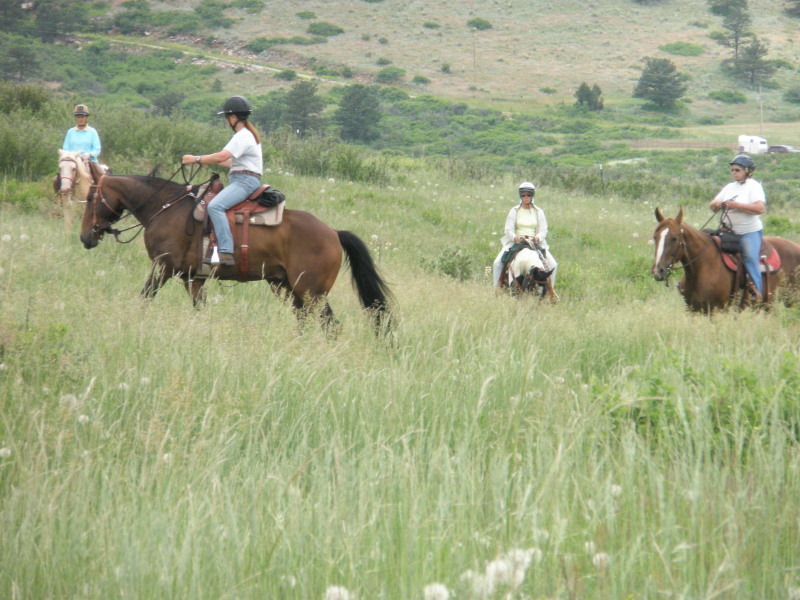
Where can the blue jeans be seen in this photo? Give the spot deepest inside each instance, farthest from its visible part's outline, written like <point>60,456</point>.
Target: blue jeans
<point>239,187</point>
<point>751,248</point>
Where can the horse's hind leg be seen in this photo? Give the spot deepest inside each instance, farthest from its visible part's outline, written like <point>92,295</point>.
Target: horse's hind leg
<point>330,325</point>
<point>196,290</point>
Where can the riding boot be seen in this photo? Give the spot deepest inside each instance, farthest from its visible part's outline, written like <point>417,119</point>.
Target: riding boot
<point>756,297</point>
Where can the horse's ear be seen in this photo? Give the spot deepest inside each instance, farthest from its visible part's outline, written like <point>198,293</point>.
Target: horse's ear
<point>679,218</point>
<point>659,216</point>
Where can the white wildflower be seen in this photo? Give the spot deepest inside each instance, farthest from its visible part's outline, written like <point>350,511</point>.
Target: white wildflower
<point>144,381</point>
<point>481,587</point>
<point>616,490</point>
<point>83,419</point>
<point>289,581</point>
<point>436,591</point>
<point>166,457</point>
<point>337,592</point>
<point>123,387</point>
<point>794,593</point>
<point>331,180</point>
<point>24,237</point>
<point>590,547</point>
<point>499,572</point>
<point>601,560</point>
<point>3,367</point>
<point>69,400</point>
<point>6,238</point>
<point>636,234</point>
<point>5,452</point>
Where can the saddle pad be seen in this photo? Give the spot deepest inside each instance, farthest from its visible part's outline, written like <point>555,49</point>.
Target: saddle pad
<point>267,216</point>
<point>771,264</point>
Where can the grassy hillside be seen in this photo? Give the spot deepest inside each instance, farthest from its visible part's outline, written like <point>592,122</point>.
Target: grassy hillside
<point>531,46</point>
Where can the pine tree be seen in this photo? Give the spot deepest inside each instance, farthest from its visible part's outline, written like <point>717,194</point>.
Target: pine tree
<point>358,114</point>
<point>589,97</point>
<point>752,66</point>
<point>303,110</point>
<point>660,83</point>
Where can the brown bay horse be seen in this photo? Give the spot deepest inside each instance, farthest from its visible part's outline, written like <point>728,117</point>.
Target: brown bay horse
<point>300,257</point>
<point>707,284</point>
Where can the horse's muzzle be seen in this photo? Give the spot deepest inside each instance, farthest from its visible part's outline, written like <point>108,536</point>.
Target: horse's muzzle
<point>658,273</point>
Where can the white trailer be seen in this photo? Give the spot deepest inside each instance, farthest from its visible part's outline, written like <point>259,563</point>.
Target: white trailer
<point>752,144</point>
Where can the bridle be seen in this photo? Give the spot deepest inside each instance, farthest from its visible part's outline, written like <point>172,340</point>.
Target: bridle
<point>74,162</point>
<point>119,214</point>
<point>681,254</point>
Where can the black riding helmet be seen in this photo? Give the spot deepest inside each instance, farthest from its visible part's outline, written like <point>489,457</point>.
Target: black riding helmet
<point>744,161</point>
<point>237,105</point>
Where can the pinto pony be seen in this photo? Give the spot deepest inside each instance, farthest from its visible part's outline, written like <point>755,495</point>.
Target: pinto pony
<point>707,284</point>
<point>300,258</point>
<point>528,272</point>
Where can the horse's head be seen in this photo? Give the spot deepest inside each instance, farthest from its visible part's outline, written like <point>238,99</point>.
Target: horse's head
<point>67,169</point>
<point>104,207</point>
<point>669,244</point>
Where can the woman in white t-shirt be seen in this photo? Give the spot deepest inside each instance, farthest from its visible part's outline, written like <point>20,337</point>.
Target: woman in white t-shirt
<point>242,154</point>
<point>744,200</point>
<point>526,220</point>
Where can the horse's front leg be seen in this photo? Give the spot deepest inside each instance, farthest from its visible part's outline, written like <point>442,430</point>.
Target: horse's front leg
<point>154,281</point>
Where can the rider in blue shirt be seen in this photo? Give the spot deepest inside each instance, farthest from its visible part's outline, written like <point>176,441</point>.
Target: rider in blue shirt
<point>82,137</point>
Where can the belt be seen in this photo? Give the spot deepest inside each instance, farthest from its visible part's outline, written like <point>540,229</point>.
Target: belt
<point>254,174</point>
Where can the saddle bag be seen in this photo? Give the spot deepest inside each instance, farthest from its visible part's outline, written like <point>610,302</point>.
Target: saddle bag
<point>729,242</point>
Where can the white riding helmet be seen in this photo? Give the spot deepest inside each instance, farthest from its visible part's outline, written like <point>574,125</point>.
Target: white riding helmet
<point>527,186</point>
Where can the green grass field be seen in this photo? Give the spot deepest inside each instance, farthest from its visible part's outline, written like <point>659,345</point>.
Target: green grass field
<point>612,446</point>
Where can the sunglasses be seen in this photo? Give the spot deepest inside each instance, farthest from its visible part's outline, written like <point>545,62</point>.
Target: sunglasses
<point>736,170</point>
<point>524,194</point>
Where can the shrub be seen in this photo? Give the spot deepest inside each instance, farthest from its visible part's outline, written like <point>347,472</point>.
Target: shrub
<point>287,75</point>
<point>431,25</point>
<point>324,28</point>
<point>728,96</point>
<point>307,14</point>
<point>251,6</point>
<point>547,90</point>
<point>420,80</point>
<point>682,49</point>
<point>446,68</point>
<point>390,75</point>
<point>479,24</point>
<point>792,95</point>
<point>382,62</point>
<point>453,262</point>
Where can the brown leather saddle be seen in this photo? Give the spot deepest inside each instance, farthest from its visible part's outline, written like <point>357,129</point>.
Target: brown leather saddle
<point>246,213</point>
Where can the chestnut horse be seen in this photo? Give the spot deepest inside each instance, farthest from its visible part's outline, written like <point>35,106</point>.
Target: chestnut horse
<point>300,257</point>
<point>707,284</point>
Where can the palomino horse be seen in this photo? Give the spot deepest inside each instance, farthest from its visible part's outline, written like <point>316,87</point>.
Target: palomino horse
<point>301,256</point>
<point>73,181</point>
<point>527,272</point>
<point>707,284</point>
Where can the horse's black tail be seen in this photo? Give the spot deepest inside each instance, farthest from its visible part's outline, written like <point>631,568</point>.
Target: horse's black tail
<point>372,289</point>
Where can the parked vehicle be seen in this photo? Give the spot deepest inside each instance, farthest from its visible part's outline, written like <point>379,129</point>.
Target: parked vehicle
<point>752,144</point>
<point>781,149</point>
